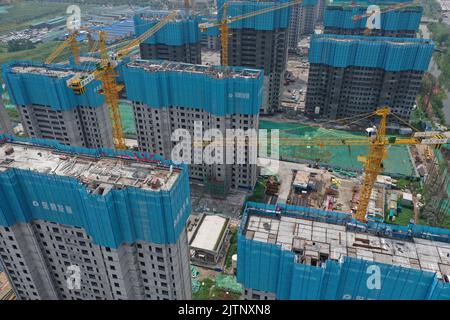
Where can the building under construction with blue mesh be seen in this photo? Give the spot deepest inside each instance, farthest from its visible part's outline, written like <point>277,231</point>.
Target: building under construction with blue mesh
<point>179,40</point>
<point>119,217</point>
<point>167,96</point>
<point>298,253</point>
<point>352,75</point>
<point>49,109</point>
<point>403,22</point>
<point>259,42</point>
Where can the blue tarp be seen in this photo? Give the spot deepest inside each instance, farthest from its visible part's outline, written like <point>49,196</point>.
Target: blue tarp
<point>199,90</point>
<point>267,267</point>
<point>120,216</point>
<point>391,54</point>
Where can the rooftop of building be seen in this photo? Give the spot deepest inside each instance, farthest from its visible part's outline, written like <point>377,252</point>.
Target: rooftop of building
<point>209,233</point>
<point>43,70</point>
<point>218,72</point>
<point>99,174</point>
<point>314,240</point>
<point>50,70</point>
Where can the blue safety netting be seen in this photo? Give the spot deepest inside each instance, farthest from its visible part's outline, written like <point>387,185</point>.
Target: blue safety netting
<point>391,54</point>
<point>175,33</point>
<point>193,89</point>
<point>342,17</point>
<point>277,19</point>
<point>267,267</point>
<point>120,216</point>
<point>41,89</point>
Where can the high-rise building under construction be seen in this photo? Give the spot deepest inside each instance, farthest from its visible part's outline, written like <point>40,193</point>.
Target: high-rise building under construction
<point>302,21</point>
<point>167,96</point>
<point>79,223</point>
<point>352,75</point>
<point>49,109</point>
<point>297,253</point>
<point>179,40</point>
<point>351,19</point>
<point>259,42</point>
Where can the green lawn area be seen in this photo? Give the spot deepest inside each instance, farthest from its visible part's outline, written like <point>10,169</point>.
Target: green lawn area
<point>205,289</point>
<point>404,217</point>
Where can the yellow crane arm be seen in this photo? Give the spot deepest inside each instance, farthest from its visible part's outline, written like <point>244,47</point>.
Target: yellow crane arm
<point>134,43</point>
<point>78,84</point>
<point>71,42</point>
<point>391,8</point>
<point>229,20</point>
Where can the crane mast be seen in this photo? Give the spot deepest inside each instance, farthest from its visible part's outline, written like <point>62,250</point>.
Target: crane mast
<point>373,163</point>
<point>106,74</point>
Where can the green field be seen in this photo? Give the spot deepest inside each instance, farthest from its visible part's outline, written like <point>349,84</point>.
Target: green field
<point>397,163</point>
<point>23,14</point>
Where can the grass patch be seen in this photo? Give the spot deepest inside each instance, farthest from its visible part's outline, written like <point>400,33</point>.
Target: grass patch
<point>232,249</point>
<point>405,216</point>
<point>13,114</point>
<point>205,290</point>
<point>258,194</point>
<point>220,294</point>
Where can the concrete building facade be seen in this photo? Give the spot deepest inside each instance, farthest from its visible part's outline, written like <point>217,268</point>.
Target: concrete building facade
<point>377,72</point>
<point>61,240</point>
<point>215,99</point>
<point>179,40</point>
<point>49,109</point>
<point>260,42</point>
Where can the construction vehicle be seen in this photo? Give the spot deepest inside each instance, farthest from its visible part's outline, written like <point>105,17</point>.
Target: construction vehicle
<point>224,29</point>
<point>105,72</point>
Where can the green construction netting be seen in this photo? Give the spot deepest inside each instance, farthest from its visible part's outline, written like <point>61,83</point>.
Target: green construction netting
<point>126,112</point>
<point>228,283</point>
<point>343,157</point>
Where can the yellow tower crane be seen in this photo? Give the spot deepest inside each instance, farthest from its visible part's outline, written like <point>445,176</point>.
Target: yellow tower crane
<point>106,73</point>
<point>71,41</point>
<point>377,141</point>
<point>224,29</point>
